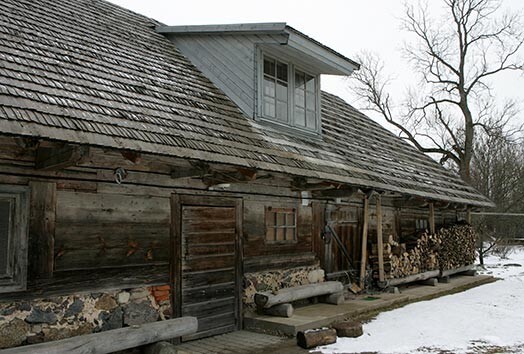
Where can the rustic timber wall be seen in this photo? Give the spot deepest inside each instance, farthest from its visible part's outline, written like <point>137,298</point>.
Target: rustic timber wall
<point>59,317</point>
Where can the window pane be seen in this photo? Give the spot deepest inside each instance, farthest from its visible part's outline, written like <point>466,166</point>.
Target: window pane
<point>281,92</point>
<point>299,98</point>
<point>310,101</point>
<point>300,118</point>
<point>280,235</point>
<point>299,80</point>
<point>269,67</point>
<point>311,118</point>
<point>269,87</point>
<point>282,71</point>
<point>282,111</point>
<point>310,83</point>
<point>5,211</point>
<point>269,107</point>
<point>290,219</point>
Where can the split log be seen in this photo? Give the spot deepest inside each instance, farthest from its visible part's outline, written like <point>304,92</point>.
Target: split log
<point>449,249</point>
<point>414,277</point>
<point>334,299</point>
<point>315,337</point>
<point>444,279</point>
<point>288,295</point>
<point>114,340</point>
<point>350,329</point>
<point>430,282</point>
<point>281,310</point>
<point>449,272</point>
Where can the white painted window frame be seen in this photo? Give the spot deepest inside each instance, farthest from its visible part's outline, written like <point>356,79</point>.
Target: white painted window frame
<point>261,53</point>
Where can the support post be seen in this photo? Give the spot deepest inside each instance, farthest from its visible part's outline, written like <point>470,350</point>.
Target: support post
<point>380,240</point>
<point>431,218</point>
<point>42,228</point>
<point>468,215</point>
<point>364,242</point>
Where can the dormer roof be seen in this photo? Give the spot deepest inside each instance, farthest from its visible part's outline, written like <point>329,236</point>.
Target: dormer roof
<point>281,38</point>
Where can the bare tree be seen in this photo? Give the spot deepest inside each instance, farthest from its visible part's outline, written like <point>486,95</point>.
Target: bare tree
<point>455,57</point>
<point>497,171</point>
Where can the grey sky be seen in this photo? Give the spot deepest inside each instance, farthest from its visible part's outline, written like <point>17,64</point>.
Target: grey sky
<point>346,26</point>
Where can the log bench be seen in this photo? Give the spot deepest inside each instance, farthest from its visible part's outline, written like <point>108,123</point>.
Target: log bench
<point>279,303</point>
<point>113,340</point>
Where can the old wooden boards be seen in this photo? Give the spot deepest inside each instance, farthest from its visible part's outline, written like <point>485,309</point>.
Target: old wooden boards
<point>113,340</point>
<point>287,295</point>
<point>207,262</point>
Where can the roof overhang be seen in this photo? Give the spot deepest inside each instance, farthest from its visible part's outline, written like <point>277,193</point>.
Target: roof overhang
<point>279,38</point>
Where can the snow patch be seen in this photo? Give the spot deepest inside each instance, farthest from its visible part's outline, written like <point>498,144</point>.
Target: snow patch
<point>482,317</point>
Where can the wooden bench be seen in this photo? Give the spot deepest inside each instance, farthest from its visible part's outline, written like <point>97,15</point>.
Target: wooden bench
<point>113,340</point>
<point>279,303</point>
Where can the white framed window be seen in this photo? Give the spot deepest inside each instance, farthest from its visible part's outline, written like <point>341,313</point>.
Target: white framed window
<point>14,204</point>
<point>289,95</point>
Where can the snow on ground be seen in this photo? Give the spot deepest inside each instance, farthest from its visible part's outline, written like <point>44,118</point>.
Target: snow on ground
<point>485,319</point>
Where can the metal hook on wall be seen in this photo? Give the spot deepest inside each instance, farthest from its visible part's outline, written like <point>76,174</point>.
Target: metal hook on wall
<point>120,175</point>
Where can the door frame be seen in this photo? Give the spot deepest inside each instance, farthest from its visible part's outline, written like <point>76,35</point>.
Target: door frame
<point>175,254</point>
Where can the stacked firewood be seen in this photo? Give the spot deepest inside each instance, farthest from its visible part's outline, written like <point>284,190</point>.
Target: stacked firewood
<point>450,248</point>
<point>458,246</point>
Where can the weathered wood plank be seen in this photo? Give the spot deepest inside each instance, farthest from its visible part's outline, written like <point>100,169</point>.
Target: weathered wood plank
<point>104,342</point>
<point>279,261</point>
<point>211,307</point>
<point>73,236</point>
<point>96,207</point>
<point>364,254</point>
<point>42,228</point>
<point>90,280</point>
<point>287,295</point>
<point>281,310</point>
<point>380,240</point>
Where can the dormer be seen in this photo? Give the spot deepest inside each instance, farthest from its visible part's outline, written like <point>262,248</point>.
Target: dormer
<point>270,70</point>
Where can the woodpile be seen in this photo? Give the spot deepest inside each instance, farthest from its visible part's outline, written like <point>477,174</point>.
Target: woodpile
<point>458,246</point>
<point>450,248</point>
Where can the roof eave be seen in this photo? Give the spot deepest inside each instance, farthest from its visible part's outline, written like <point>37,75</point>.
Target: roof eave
<point>333,62</point>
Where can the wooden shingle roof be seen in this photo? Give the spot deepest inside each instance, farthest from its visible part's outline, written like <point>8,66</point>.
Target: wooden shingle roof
<point>90,72</point>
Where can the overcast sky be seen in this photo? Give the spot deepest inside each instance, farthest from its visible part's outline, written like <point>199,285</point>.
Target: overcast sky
<point>347,26</point>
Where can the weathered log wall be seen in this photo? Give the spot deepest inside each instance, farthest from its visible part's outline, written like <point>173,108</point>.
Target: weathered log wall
<point>109,236</point>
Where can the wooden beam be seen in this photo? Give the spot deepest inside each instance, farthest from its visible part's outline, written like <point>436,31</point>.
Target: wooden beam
<point>61,157</point>
<point>301,184</point>
<point>431,218</point>
<point>468,215</point>
<point>197,169</point>
<point>114,340</point>
<point>344,192</point>
<point>364,242</point>
<point>42,228</point>
<point>242,175</point>
<point>380,240</point>
<point>288,295</point>
<point>133,156</point>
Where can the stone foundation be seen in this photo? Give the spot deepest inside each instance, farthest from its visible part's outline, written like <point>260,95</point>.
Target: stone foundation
<point>41,320</point>
<point>278,279</point>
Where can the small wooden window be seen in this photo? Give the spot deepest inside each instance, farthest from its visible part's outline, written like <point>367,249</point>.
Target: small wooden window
<point>281,224</point>
<point>13,238</point>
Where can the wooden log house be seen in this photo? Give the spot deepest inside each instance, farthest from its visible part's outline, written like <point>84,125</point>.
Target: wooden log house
<point>185,168</point>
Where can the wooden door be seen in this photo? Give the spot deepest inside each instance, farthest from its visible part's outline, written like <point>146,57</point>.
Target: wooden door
<point>207,268</point>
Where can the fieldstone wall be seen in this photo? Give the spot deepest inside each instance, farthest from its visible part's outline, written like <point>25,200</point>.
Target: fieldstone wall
<point>36,321</point>
<point>278,279</point>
